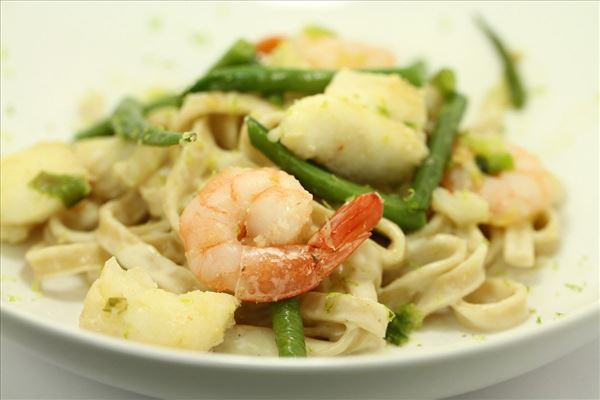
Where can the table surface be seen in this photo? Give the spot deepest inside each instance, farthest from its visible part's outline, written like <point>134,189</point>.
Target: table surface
<point>25,376</point>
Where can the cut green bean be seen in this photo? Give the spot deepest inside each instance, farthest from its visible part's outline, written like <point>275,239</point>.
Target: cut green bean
<point>430,172</point>
<point>492,154</point>
<point>406,318</point>
<point>288,328</point>
<point>518,95</point>
<point>104,127</point>
<point>128,122</point>
<point>98,129</point>
<point>69,189</point>
<point>328,186</point>
<point>241,52</point>
<point>445,81</point>
<point>261,79</point>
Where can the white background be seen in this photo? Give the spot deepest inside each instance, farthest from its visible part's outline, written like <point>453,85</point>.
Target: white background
<point>25,376</point>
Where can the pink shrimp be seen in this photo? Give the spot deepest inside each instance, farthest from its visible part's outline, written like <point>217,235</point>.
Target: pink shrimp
<point>513,196</point>
<point>243,232</point>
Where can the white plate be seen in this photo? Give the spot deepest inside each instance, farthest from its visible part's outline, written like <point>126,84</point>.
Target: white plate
<point>55,55</point>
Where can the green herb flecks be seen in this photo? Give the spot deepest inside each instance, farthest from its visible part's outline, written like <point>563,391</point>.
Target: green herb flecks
<point>115,305</point>
<point>317,32</point>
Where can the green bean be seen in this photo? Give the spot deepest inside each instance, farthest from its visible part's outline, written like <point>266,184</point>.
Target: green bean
<point>129,123</point>
<point>445,82</point>
<point>69,189</point>
<point>406,318</point>
<point>430,172</point>
<point>98,129</point>
<point>241,52</point>
<point>328,186</point>
<point>288,328</point>
<point>518,95</point>
<point>257,78</point>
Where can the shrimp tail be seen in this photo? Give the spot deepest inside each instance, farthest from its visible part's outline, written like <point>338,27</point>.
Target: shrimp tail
<point>271,274</point>
<point>349,227</point>
<point>351,223</point>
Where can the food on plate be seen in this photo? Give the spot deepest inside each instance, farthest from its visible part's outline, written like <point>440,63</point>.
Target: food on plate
<point>304,197</point>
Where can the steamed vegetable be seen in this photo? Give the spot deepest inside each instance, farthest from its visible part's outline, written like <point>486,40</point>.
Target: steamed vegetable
<point>288,328</point>
<point>518,95</point>
<point>256,78</point>
<point>491,153</point>
<point>67,188</point>
<point>326,185</point>
<point>128,304</point>
<point>105,128</point>
<point>21,204</point>
<point>405,319</point>
<point>408,213</point>
<point>445,81</point>
<point>129,123</point>
<point>430,173</point>
<point>241,52</point>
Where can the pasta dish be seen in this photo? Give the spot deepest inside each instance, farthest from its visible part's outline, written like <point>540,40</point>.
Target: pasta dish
<point>306,196</point>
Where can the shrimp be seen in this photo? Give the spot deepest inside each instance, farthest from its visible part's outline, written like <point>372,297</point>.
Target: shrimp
<point>242,234</point>
<point>331,52</point>
<point>324,52</point>
<point>515,195</point>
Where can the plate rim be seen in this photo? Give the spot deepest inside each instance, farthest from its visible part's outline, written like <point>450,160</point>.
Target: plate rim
<point>22,320</point>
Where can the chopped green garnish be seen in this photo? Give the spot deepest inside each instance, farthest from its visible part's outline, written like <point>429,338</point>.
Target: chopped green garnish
<point>491,154</point>
<point>155,23</point>
<point>115,305</point>
<point>68,188</point>
<point>329,301</point>
<point>559,314</point>
<point>9,110</point>
<point>200,38</point>
<point>574,287</point>
<point>409,124</point>
<point>36,286</point>
<point>7,278</point>
<point>13,298</point>
<point>538,320</point>
<point>445,81</point>
<point>317,32</point>
<point>383,110</point>
<point>406,318</point>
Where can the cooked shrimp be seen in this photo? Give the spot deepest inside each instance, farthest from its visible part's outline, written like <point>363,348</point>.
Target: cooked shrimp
<point>516,195</point>
<point>332,52</point>
<point>325,52</point>
<point>243,232</point>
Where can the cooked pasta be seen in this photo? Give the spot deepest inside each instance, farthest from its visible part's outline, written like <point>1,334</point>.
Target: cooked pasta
<point>165,227</point>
